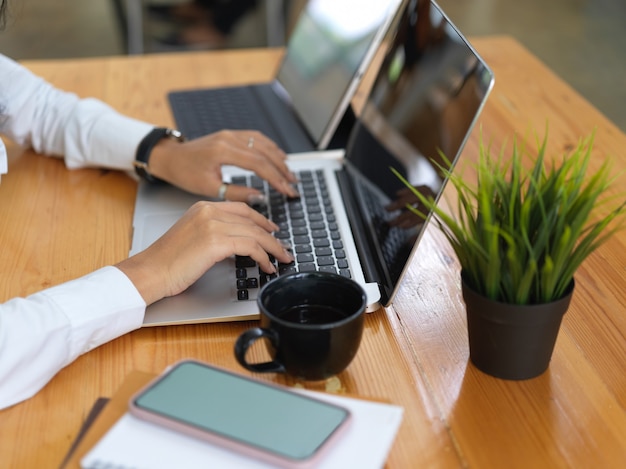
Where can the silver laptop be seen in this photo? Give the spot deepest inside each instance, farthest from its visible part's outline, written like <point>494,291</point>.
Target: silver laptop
<point>302,108</point>
<point>426,95</point>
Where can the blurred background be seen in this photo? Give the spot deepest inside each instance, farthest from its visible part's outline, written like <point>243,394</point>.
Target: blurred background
<point>581,40</point>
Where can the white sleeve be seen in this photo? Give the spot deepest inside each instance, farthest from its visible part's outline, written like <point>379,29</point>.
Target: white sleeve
<point>86,131</point>
<point>46,331</point>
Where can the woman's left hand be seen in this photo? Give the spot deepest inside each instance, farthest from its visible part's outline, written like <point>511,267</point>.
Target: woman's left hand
<point>196,165</point>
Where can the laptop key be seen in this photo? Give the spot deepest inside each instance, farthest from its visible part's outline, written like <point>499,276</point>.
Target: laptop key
<point>300,231</point>
<point>244,261</point>
<point>323,252</point>
<point>307,268</point>
<point>303,248</point>
<point>321,242</point>
<point>304,258</point>
<point>288,269</point>
<point>301,240</point>
<point>325,261</point>
<point>264,278</point>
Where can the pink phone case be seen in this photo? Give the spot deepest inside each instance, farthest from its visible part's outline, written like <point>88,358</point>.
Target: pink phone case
<point>236,446</point>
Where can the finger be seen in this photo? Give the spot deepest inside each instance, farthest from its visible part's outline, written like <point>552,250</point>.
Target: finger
<point>238,236</point>
<point>259,249</point>
<point>245,194</point>
<point>256,141</point>
<point>274,178</point>
<point>265,163</point>
<point>238,212</point>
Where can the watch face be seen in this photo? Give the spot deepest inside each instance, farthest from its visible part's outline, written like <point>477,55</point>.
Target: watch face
<point>175,134</point>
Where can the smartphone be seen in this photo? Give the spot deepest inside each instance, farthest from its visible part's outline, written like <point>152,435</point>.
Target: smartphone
<point>261,420</point>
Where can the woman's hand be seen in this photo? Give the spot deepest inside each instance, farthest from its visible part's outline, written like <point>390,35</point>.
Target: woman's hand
<point>196,165</point>
<point>206,234</point>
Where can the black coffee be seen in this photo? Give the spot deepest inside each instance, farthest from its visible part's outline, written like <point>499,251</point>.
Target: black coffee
<point>313,314</point>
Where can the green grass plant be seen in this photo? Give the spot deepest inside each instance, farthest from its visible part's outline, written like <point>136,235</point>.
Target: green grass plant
<point>521,234</point>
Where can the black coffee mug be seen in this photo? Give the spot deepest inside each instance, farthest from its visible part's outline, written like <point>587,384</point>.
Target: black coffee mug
<point>313,323</point>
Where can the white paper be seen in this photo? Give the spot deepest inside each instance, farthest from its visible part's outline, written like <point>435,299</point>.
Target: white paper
<point>134,443</point>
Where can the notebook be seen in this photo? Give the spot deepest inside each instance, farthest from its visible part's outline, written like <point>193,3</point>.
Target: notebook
<point>424,98</point>
<point>132,443</point>
<point>302,108</point>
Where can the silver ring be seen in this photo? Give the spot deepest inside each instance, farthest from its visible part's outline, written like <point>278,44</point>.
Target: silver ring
<point>221,192</point>
<point>250,142</point>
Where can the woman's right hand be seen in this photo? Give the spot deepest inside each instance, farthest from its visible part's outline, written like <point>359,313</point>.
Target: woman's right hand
<point>207,233</point>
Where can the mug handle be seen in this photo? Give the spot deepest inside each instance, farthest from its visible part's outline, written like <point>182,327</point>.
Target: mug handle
<point>245,341</point>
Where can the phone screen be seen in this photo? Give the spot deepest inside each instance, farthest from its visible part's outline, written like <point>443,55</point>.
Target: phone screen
<point>248,411</point>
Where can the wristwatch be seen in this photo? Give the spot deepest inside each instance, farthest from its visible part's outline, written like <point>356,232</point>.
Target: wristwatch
<point>144,150</point>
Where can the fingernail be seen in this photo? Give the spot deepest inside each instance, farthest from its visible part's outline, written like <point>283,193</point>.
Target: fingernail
<point>293,192</point>
<point>257,199</point>
<point>290,254</point>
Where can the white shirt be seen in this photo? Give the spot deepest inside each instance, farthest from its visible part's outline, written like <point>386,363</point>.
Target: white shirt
<point>46,331</point>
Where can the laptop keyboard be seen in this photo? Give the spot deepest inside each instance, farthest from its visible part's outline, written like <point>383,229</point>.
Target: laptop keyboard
<point>307,224</point>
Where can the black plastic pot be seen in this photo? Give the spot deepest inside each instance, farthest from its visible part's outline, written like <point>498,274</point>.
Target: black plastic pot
<point>512,341</point>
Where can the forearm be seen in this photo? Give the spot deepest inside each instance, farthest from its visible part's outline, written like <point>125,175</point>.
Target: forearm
<point>86,132</point>
<point>46,331</point>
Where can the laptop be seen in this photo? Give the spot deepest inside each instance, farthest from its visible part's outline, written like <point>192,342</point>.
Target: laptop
<point>425,96</point>
<point>306,105</point>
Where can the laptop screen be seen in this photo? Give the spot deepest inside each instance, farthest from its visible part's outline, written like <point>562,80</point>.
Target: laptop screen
<point>326,50</point>
<point>424,99</point>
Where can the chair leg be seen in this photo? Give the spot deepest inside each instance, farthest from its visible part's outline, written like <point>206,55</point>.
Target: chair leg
<point>129,15</point>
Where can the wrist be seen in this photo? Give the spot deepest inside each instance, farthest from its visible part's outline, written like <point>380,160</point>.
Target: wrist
<point>142,277</point>
<point>148,157</point>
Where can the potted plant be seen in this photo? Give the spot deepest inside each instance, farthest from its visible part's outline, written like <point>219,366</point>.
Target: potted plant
<point>520,235</point>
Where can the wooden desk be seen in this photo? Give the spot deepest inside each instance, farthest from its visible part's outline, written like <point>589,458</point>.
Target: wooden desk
<point>56,225</point>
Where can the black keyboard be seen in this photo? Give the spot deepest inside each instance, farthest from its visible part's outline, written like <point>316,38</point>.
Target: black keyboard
<point>204,111</point>
<point>306,223</point>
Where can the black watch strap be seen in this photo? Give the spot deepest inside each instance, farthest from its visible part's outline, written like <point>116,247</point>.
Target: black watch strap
<point>144,150</point>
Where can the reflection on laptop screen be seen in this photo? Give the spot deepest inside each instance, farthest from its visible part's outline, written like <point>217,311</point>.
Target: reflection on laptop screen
<point>325,50</point>
<point>425,98</point>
